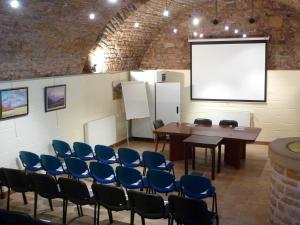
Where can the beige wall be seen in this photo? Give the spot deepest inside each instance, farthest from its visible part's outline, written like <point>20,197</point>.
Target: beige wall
<point>278,117</point>
<point>89,97</point>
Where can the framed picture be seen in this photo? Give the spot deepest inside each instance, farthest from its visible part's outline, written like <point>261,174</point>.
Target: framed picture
<point>55,97</point>
<point>14,102</point>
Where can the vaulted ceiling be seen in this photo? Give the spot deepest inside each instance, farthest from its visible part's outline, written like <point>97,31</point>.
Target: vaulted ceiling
<point>49,38</point>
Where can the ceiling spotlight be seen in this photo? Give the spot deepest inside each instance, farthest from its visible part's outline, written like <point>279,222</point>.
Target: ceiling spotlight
<point>226,28</point>
<point>215,21</point>
<point>166,13</point>
<point>175,30</point>
<point>136,24</point>
<point>195,34</point>
<point>201,35</point>
<point>112,1</point>
<point>244,35</point>
<point>196,21</point>
<point>252,20</point>
<point>236,31</point>
<point>92,16</point>
<point>15,4</point>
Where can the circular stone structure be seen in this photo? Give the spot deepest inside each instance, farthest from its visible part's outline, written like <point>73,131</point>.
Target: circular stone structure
<point>285,181</point>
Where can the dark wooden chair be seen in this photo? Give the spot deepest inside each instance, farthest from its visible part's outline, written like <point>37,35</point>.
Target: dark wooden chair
<point>160,138</point>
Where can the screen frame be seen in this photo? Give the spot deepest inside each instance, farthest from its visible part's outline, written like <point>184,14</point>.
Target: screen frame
<point>227,42</point>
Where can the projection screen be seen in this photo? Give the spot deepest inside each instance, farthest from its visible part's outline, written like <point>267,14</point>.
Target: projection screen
<point>228,70</point>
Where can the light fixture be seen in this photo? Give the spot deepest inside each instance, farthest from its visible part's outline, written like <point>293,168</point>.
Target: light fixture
<point>112,1</point>
<point>166,13</point>
<point>92,16</point>
<point>201,35</point>
<point>226,28</point>
<point>236,31</point>
<point>215,20</point>
<point>195,34</point>
<point>14,4</point>
<point>244,35</point>
<point>252,19</point>
<point>196,21</point>
<point>175,30</point>
<point>136,25</point>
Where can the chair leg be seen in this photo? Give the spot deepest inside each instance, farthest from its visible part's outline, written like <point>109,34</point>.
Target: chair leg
<point>2,192</point>
<point>50,204</point>
<point>24,198</point>
<point>78,210</point>
<point>172,221</point>
<point>110,216</point>
<point>81,211</point>
<point>65,209</point>
<point>95,213</point>
<point>98,214</point>
<point>163,147</point>
<point>143,220</point>
<point>35,204</point>
<point>8,199</point>
<point>131,217</point>
<point>216,209</point>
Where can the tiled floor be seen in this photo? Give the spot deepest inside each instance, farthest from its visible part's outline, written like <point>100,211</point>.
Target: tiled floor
<point>242,194</point>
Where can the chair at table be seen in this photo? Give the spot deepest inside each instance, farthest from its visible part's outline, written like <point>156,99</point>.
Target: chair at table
<point>62,149</point>
<point>148,206</point>
<point>105,154</point>
<point>76,192</point>
<point>161,138</point>
<point>129,157</point>
<point>17,181</point>
<point>189,211</point>
<point>83,151</point>
<point>110,197</point>
<point>30,161</point>
<point>228,123</point>
<point>162,182</point>
<point>77,168</point>
<point>52,165</point>
<point>102,173</point>
<point>157,161</point>
<point>203,122</point>
<point>131,178</point>
<point>199,187</point>
<point>45,186</point>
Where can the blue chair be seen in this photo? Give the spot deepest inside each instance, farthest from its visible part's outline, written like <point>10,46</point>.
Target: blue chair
<point>129,158</point>
<point>199,187</point>
<point>105,154</point>
<point>62,149</point>
<point>131,178</point>
<point>102,173</point>
<point>30,161</point>
<point>156,161</point>
<point>162,182</point>
<point>52,165</point>
<point>83,151</point>
<point>77,168</point>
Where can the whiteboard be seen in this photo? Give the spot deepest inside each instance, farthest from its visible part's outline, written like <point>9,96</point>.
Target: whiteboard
<point>229,71</point>
<point>135,100</point>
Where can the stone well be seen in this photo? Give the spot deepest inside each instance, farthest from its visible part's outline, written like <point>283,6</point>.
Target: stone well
<point>285,182</point>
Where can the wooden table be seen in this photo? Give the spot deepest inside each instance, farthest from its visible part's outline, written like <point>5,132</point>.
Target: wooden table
<point>235,139</point>
<point>205,142</point>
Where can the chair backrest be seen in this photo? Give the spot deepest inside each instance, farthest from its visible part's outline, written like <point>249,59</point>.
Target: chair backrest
<point>196,186</point>
<point>14,218</point>
<point>82,149</point>
<point>50,162</point>
<point>73,190</point>
<point>104,152</point>
<point>160,179</point>
<point>153,160</point>
<point>189,211</point>
<point>127,175</point>
<point>128,155</point>
<point>101,170</point>
<point>75,165</point>
<point>227,123</point>
<point>29,159</point>
<point>158,123</point>
<point>45,185</point>
<point>110,197</point>
<point>202,121</point>
<point>147,205</point>
<point>61,148</point>
<point>17,180</point>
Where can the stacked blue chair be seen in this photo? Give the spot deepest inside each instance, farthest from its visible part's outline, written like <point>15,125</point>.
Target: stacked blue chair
<point>129,157</point>
<point>62,149</point>
<point>105,154</point>
<point>83,151</point>
<point>131,178</point>
<point>30,161</point>
<point>156,161</point>
<point>162,182</point>
<point>199,187</point>
<point>102,173</point>
<point>77,168</point>
<point>52,165</point>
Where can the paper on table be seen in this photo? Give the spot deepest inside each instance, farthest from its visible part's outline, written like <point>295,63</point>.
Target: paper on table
<point>239,128</point>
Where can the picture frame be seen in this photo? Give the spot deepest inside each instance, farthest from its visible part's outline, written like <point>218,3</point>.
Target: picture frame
<point>13,103</point>
<point>55,97</point>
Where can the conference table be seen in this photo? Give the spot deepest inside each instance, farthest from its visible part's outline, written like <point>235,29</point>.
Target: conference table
<point>234,139</point>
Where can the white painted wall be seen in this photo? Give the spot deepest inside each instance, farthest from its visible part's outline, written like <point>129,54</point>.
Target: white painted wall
<point>278,117</point>
<point>89,97</point>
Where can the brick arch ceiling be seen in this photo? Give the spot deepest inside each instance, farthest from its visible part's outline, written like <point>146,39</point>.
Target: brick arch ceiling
<point>122,47</point>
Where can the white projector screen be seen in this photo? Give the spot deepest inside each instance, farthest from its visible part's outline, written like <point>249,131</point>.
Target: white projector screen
<point>228,71</point>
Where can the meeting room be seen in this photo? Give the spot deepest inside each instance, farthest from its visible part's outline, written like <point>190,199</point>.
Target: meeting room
<point>154,112</point>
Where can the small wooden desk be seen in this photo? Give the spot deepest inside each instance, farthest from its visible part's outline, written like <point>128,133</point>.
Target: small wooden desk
<point>235,139</point>
<point>204,142</point>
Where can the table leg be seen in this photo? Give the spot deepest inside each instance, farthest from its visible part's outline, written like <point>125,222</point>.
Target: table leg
<point>233,150</point>
<point>219,158</point>
<point>243,150</point>
<point>213,163</point>
<point>186,159</point>
<point>193,157</point>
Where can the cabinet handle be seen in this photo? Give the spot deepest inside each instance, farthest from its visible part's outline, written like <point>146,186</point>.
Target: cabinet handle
<point>177,109</point>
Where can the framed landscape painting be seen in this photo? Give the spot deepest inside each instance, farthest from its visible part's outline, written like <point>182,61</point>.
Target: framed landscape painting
<point>14,102</point>
<point>55,97</point>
